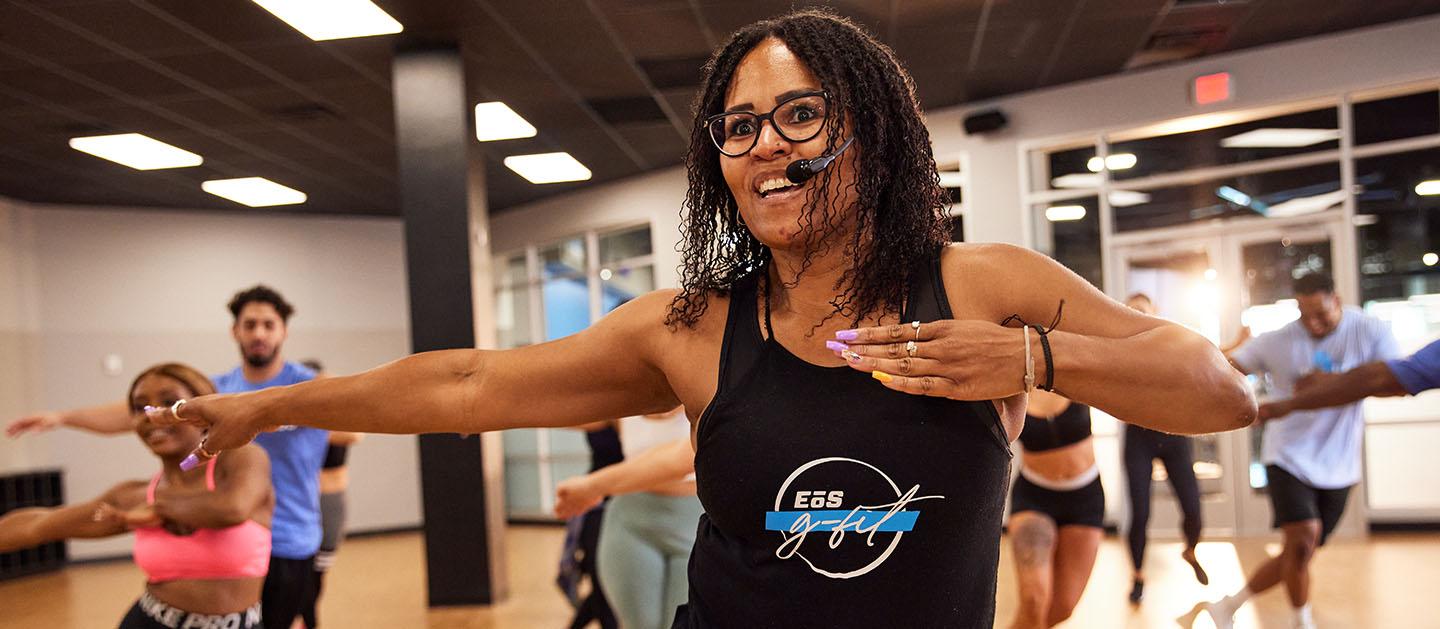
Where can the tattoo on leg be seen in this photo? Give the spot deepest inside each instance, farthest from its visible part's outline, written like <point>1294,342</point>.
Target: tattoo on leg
<point>1034,543</point>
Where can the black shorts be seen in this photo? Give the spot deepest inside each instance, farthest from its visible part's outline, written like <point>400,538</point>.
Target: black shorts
<point>1295,501</point>
<point>150,613</point>
<point>289,591</point>
<point>1084,506</point>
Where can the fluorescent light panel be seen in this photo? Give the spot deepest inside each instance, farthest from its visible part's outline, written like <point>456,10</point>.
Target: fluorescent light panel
<point>1058,213</point>
<point>254,191</point>
<point>1428,188</point>
<point>1076,180</point>
<point>136,151</point>
<point>548,167</point>
<point>496,121</point>
<point>323,20</point>
<point>1280,138</point>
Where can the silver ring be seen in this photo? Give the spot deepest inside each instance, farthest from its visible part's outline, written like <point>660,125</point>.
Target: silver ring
<point>175,408</point>
<point>916,326</point>
<point>910,348</point>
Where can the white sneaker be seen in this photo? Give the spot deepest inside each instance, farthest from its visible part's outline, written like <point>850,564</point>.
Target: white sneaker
<point>1221,614</point>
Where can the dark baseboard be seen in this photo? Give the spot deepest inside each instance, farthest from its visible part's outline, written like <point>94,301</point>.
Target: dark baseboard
<point>1404,527</point>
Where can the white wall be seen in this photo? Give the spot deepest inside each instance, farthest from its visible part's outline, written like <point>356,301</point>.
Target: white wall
<point>1272,75</point>
<point>149,286</point>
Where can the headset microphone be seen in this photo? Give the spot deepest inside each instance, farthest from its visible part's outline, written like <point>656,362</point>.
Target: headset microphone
<point>800,171</point>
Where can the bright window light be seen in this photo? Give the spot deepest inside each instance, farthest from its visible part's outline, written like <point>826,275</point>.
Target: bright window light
<point>1280,138</point>
<point>1059,213</point>
<point>548,167</point>
<point>951,179</point>
<point>1118,161</point>
<point>497,121</point>
<point>1428,188</point>
<point>322,20</point>
<point>254,191</point>
<point>136,151</point>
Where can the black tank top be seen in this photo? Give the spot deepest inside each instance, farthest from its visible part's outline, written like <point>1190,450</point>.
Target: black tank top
<point>334,456</point>
<point>605,447</point>
<point>1072,425</point>
<point>831,501</point>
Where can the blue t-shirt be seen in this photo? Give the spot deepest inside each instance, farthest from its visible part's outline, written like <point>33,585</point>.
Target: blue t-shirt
<point>1419,372</point>
<point>1322,446</point>
<point>295,457</point>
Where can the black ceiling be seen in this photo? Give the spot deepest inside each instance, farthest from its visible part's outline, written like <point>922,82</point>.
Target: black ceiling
<point>610,81</point>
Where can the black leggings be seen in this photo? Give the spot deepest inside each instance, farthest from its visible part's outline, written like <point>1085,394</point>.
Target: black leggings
<point>1142,447</point>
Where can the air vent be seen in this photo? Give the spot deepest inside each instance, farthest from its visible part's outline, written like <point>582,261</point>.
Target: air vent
<point>673,72</point>
<point>1190,29</point>
<point>628,110</point>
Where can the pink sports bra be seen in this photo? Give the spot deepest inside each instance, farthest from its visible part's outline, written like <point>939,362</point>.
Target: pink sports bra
<point>234,552</point>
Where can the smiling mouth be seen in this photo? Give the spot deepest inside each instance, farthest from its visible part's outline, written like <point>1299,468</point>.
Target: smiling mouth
<point>776,185</point>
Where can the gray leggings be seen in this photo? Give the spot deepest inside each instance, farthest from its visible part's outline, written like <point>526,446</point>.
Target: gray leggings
<point>644,553</point>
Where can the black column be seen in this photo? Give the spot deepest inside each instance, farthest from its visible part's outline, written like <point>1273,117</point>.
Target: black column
<point>437,196</point>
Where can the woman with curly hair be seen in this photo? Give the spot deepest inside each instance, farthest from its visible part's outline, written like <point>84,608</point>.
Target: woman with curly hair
<point>853,380</point>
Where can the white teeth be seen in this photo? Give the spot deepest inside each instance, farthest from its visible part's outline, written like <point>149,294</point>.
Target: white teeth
<point>774,184</point>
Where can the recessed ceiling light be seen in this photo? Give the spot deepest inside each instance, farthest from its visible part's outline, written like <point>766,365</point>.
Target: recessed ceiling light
<point>1428,188</point>
<point>322,20</point>
<point>254,191</point>
<point>1076,180</point>
<point>1059,213</point>
<point>1280,138</point>
<point>1118,161</point>
<point>136,151</point>
<point>1127,198</point>
<point>548,167</point>
<point>496,121</point>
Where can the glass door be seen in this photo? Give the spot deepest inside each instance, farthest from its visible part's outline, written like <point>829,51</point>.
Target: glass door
<point>1182,278</point>
<point>1216,279</point>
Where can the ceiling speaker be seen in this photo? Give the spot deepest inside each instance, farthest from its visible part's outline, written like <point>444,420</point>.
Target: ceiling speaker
<point>987,121</point>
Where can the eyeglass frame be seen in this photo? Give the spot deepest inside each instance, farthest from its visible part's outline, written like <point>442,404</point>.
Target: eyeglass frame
<point>760,123</point>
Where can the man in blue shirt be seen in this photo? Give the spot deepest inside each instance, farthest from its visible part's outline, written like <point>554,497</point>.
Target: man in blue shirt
<point>296,453</point>
<point>260,329</point>
<point>1312,457</point>
<point>1413,375</point>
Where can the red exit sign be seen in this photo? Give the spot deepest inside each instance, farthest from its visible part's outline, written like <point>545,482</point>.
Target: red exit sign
<point>1211,88</point>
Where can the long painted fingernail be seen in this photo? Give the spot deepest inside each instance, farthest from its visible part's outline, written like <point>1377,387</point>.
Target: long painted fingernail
<point>850,355</point>
<point>847,335</point>
<point>881,376</point>
<point>151,409</point>
<point>189,463</point>
<point>836,346</point>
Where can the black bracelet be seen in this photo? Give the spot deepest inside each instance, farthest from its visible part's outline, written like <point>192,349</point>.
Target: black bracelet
<point>1049,361</point>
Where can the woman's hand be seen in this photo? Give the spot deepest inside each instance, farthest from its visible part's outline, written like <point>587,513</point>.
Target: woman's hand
<point>574,496</point>
<point>961,360</point>
<point>230,421</point>
<point>143,516</point>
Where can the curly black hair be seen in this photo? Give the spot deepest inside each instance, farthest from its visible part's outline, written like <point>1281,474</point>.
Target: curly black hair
<point>900,219</point>
<point>262,294</point>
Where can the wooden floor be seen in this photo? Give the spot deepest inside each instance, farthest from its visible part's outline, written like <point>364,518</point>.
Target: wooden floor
<point>1384,581</point>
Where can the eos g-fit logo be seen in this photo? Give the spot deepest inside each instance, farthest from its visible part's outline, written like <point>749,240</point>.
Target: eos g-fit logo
<point>863,511</point>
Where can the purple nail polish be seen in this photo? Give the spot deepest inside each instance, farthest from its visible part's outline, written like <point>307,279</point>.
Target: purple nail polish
<point>847,335</point>
<point>189,463</point>
<point>151,409</point>
<point>836,346</point>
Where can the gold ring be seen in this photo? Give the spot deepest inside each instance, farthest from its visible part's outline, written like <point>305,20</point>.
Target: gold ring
<point>206,453</point>
<point>910,348</point>
<point>916,326</point>
<point>175,408</point>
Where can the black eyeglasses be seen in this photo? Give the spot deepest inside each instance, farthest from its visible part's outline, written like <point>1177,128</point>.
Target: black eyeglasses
<point>797,119</point>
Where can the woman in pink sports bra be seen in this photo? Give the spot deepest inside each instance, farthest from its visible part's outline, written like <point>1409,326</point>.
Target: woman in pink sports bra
<point>202,537</point>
